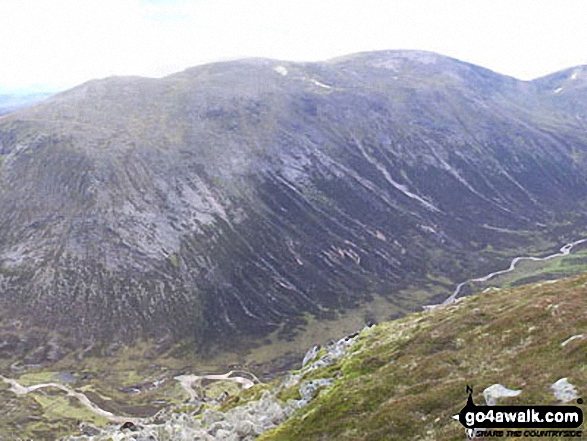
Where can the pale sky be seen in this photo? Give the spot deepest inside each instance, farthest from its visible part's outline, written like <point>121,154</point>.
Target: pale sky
<point>61,43</point>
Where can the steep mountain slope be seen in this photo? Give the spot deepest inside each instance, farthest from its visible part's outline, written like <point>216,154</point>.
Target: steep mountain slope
<point>566,91</point>
<point>405,379</point>
<point>230,198</point>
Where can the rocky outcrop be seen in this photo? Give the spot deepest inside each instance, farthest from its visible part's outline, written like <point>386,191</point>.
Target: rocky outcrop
<point>242,423</point>
<point>564,391</point>
<point>496,391</point>
<point>395,381</point>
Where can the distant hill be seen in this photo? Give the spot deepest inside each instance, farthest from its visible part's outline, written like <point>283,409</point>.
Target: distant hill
<point>9,102</point>
<point>241,198</point>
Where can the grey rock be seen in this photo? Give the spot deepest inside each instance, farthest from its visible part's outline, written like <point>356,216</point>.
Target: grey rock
<point>493,393</point>
<point>309,388</point>
<point>291,380</point>
<point>242,423</point>
<point>310,355</point>
<point>214,428</point>
<point>210,416</point>
<point>244,428</point>
<point>564,391</point>
<point>226,435</point>
<point>89,429</point>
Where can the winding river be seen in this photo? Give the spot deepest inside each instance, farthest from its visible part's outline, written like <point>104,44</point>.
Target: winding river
<point>186,382</point>
<point>19,389</point>
<point>565,250</point>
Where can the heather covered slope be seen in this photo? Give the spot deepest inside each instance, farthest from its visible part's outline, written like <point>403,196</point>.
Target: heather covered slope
<point>405,379</point>
<point>232,198</point>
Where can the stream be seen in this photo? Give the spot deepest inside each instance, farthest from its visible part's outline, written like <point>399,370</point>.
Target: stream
<point>19,389</point>
<point>186,382</point>
<point>564,250</point>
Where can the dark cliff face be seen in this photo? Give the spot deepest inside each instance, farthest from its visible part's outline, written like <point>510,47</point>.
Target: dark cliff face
<point>235,196</point>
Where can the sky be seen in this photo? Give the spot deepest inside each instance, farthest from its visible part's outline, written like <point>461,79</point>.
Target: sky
<point>58,44</point>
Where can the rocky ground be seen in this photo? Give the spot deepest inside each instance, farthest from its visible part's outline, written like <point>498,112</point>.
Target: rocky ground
<point>243,422</point>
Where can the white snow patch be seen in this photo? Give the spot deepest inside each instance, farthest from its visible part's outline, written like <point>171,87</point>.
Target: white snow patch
<point>319,84</point>
<point>558,90</point>
<point>574,337</point>
<point>574,76</point>
<point>281,70</point>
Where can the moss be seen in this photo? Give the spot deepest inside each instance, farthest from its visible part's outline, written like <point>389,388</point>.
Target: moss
<point>400,380</point>
<point>252,394</point>
<point>61,407</point>
<point>37,377</point>
<point>289,393</point>
<point>186,408</point>
<point>173,260</point>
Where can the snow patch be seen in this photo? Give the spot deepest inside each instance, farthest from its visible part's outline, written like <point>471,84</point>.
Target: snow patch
<point>280,70</point>
<point>319,84</point>
<point>574,76</point>
<point>570,339</point>
<point>558,90</point>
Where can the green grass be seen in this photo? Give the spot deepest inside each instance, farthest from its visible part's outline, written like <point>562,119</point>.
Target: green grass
<point>58,406</point>
<point>38,377</point>
<point>402,380</point>
<point>528,271</point>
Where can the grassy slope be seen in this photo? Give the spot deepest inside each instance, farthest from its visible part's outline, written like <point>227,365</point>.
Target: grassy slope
<point>406,378</point>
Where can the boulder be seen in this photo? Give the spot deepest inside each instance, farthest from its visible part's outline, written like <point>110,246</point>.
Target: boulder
<point>564,391</point>
<point>497,391</point>
<point>310,355</point>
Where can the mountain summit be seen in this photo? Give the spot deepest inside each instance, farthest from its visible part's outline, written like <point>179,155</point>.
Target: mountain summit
<point>231,198</point>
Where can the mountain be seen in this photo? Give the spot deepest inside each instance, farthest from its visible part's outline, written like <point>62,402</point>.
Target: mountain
<point>240,198</point>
